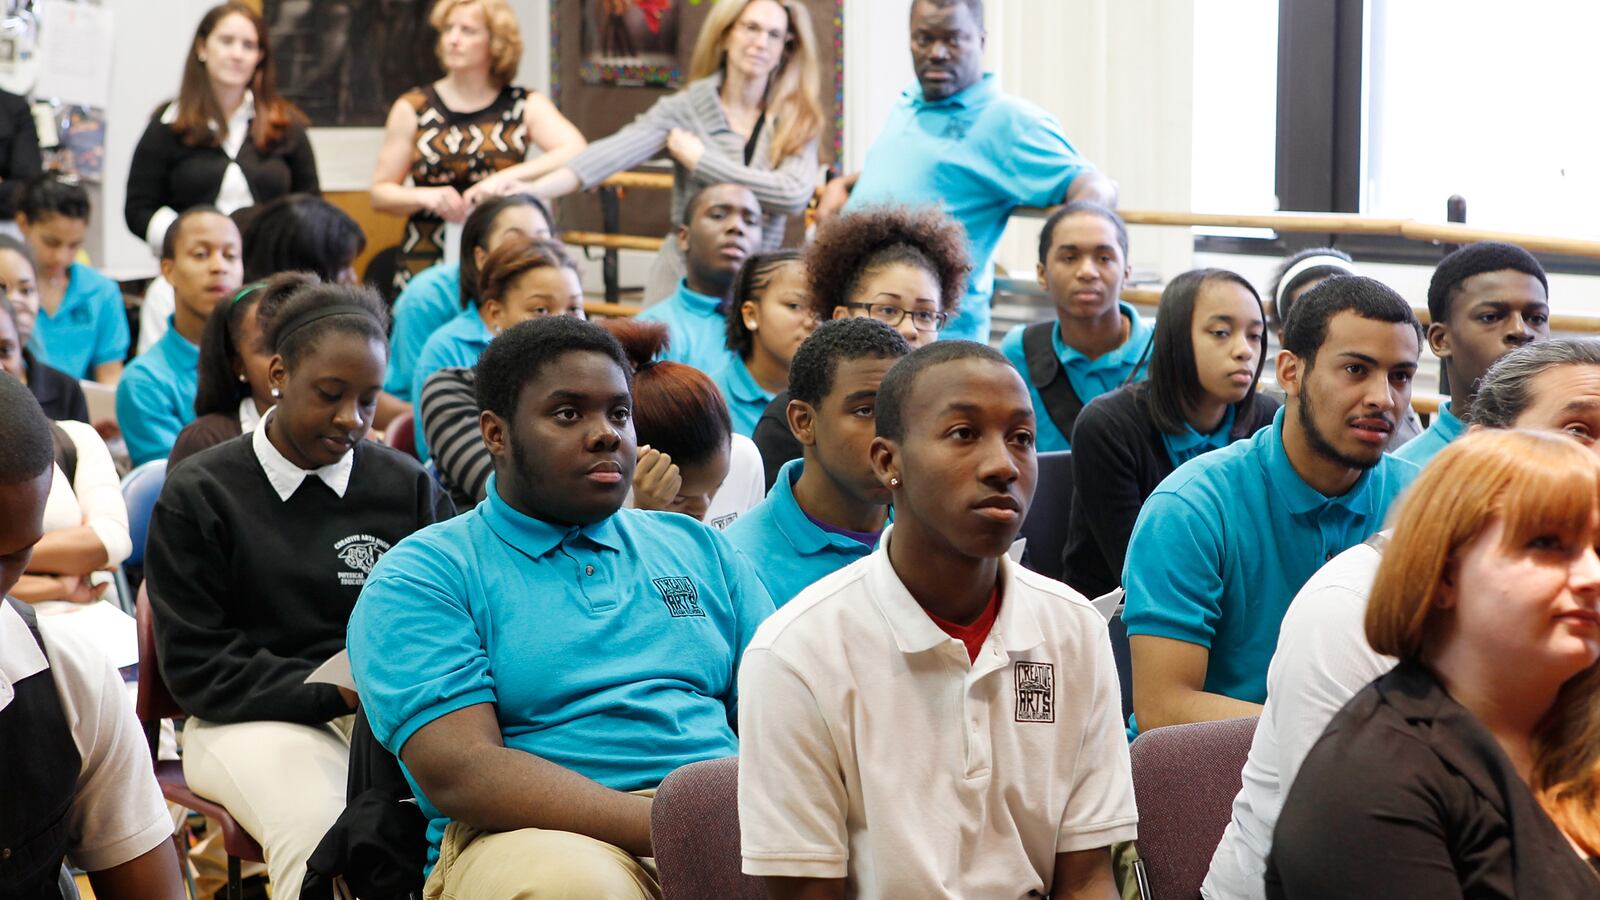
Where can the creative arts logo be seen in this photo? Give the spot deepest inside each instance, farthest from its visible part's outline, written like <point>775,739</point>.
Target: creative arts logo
<point>1036,692</point>
<point>360,552</point>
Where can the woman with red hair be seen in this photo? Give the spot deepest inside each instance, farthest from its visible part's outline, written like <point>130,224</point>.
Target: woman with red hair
<point>690,459</point>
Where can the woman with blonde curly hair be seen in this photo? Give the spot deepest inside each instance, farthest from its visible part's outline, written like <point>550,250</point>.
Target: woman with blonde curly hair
<point>750,116</point>
<point>1472,769</point>
<point>463,138</point>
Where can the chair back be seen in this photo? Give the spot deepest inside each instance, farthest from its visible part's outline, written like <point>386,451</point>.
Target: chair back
<point>1186,777</point>
<point>140,490</point>
<point>1046,525</point>
<point>694,827</point>
<point>402,434</point>
<point>153,702</point>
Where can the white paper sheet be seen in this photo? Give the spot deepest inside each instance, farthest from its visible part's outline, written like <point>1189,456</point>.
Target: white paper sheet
<point>335,671</point>
<point>75,46</point>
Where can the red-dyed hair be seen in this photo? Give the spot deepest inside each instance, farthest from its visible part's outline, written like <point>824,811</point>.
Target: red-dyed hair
<point>677,409</point>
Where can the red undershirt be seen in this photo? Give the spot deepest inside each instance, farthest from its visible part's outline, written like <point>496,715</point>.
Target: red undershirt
<point>975,634</point>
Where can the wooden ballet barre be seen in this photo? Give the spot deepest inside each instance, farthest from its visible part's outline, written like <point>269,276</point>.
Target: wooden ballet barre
<point>610,310</point>
<point>1446,233</point>
<point>657,181</point>
<point>612,241</point>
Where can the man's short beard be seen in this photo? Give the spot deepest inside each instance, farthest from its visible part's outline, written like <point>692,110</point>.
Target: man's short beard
<point>1319,442</point>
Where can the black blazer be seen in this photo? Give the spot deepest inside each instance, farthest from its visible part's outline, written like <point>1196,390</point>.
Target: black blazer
<point>167,172</point>
<point>20,159</point>
<point>1118,459</point>
<point>1408,795</point>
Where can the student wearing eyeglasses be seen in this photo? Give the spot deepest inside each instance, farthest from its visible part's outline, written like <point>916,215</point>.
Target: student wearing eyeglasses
<point>905,267</point>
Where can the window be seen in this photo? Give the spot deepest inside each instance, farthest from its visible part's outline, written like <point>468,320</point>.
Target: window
<point>1468,97</point>
<point>1235,107</point>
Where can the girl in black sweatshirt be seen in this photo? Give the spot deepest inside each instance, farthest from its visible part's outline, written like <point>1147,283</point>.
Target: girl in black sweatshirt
<point>257,551</point>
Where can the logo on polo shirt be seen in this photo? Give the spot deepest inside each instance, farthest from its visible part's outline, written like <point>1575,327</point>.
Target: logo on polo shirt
<point>722,522</point>
<point>360,552</point>
<point>1036,692</point>
<point>680,596</point>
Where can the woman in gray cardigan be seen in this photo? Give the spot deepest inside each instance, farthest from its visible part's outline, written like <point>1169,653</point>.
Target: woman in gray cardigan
<point>749,116</point>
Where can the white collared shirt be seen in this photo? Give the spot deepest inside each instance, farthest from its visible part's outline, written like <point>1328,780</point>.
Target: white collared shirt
<point>117,813</point>
<point>285,476</point>
<point>872,749</point>
<point>249,418</point>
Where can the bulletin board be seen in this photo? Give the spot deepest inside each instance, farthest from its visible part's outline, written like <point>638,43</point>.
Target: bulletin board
<point>609,62</point>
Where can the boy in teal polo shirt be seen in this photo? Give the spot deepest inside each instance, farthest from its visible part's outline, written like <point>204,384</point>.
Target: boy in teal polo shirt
<point>956,142</point>
<point>82,327</point>
<point>1228,538</point>
<point>1486,299</point>
<point>201,257</point>
<point>721,226</point>
<point>826,509</point>
<point>1097,343</point>
<point>540,661</point>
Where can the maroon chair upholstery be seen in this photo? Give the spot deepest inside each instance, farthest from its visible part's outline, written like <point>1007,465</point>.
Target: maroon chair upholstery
<point>402,434</point>
<point>694,827</point>
<point>1185,778</point>
<point>155,703</point>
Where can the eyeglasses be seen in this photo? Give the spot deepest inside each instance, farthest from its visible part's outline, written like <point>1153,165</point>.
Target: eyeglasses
<point>891,315</point>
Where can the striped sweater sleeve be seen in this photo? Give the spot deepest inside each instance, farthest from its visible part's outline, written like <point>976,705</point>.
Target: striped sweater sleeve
<point>786,189</point>
<point>631,145</point>
<point>449,410</point>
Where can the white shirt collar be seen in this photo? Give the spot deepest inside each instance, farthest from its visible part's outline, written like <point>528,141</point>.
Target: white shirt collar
<point>249,419</point>
<point>1015,627</point>
<point>285,476</point>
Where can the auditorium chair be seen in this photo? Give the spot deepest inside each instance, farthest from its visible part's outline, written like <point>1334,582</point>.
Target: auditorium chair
<point>1046,524</point>
<point>694,828</point>
<point>1185,778</point>
<point>155,703</point>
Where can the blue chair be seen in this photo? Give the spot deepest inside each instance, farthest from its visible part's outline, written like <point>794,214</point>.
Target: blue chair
<point>140,489</point>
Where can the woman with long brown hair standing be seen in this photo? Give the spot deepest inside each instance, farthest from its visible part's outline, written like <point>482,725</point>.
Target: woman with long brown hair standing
<point>750,116</point>
<point>229,140</point>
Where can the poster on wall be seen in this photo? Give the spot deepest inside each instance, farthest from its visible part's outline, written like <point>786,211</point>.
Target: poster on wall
<point>631,43</point>
<point>344,62</point>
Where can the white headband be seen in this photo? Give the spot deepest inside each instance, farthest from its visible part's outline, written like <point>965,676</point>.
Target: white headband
<point>1304,266</point>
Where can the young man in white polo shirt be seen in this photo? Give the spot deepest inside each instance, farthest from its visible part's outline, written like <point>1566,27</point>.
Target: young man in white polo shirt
<point>934,720</point>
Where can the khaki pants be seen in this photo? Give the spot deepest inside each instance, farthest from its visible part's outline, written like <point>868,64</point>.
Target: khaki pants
<point>284,784</point>
<point>536,864</point>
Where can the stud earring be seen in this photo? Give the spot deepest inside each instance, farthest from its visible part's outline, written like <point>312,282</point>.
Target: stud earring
<point>277,394</point>
<point>894,482</point>
<point>243,379</point>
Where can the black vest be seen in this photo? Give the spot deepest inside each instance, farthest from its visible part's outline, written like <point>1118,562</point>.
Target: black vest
<point>39,766</point>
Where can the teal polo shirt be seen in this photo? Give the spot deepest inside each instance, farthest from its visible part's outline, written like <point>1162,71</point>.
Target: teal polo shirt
<point>430,300</point>
<point>1089,377</point>
<point>977,155</point>
<point>457,345</point>
<point>1186,446</point>
<point>746,398</point>
<point>155,397</point>
<point>1425,446</point>
<point>89,328</point>
<point>1227,540</point>
<point>698,328</point>
<point>609,649</point>
<point>793,550</point>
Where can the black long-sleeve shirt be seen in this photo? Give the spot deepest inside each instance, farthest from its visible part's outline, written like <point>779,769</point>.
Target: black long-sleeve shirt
<point>251,592</point>
<point>20,158</point>
<point>1408,795</point>
<point>1118,459</point>
<point>166,172</point>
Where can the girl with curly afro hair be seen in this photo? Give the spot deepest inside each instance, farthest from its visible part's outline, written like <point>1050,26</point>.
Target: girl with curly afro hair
<point>907,268</point>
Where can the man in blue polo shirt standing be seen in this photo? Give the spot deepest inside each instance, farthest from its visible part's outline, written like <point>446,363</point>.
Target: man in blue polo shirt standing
<point>827,509</point>
<point>541,663</point>
<point>721,227</point>
<point>1485,300</point>
<point>1228,538</point>
<point>955,141</point>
